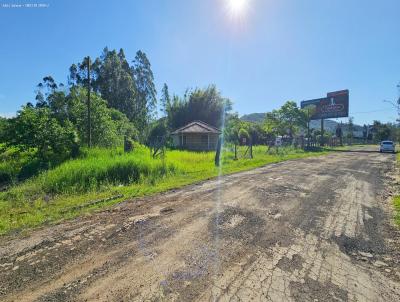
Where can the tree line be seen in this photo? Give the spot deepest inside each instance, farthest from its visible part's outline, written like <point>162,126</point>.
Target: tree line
<point>124,101</point>
<point>123,98</point>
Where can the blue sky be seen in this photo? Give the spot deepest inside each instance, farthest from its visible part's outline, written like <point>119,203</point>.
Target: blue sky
<point>276,50</point>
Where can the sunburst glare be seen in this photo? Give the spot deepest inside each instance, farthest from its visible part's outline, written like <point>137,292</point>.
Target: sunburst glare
<point>237,8</point>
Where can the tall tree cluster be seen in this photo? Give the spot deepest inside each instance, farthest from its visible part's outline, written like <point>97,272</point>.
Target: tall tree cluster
<point>128,88</point>
<point>385,131</point>
<point>286,121</point>
<point>206,105</point>
<point>123,101</point>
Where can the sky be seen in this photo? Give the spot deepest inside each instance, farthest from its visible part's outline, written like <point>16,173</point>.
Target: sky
<point>259,56</point>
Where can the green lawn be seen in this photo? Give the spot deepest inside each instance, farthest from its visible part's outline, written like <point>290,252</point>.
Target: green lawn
<point>103,177</point>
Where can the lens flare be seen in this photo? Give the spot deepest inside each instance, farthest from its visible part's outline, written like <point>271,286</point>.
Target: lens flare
<point>237,7</point>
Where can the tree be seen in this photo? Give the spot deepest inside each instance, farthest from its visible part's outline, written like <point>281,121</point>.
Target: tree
<point>123,125</point>
<point>129,89</point>
<point>307,113</point>
<point>291,117</point>
<point>383,131</point>
<point>232,126</point>
<point>158,132</point>
<point>44,89</point>
<point>109,126</point>
<point>272,125</point>
<point>3,126</point>
<point>111,78</point>
<point>285,121</point>
<point>36,128</point>
<point>165,100</point>
<point>145,100</point>
<point>206,105</point>
<point>244,136</point>
<point>257,133</point>
<point>115,83</point>
<point>350,127</point>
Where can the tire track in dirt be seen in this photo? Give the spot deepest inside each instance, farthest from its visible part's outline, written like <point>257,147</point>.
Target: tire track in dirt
<point>315,228</point>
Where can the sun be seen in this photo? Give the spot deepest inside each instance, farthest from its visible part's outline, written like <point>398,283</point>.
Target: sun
<point>237,7</point>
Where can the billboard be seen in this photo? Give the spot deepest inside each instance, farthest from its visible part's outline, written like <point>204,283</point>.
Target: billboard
<point>334,105</point>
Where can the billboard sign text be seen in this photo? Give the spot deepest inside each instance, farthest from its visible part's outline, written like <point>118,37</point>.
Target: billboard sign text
<point>334,105</point>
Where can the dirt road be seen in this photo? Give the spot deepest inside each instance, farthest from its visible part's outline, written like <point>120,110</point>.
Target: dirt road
<point>316,229</point>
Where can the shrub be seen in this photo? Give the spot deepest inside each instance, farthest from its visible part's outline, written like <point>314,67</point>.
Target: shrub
<point>16,164</point>
<point>36,128</point>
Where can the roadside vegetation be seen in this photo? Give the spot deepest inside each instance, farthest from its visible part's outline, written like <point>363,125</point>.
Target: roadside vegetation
<point>100,139</point>
<point>397,207</point>
<point>102,177</point>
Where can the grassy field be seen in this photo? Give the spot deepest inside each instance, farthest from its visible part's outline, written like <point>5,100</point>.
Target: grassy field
<point>103,177</point>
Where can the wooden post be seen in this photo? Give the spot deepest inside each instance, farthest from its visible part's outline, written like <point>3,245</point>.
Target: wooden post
<point>235,152</point>
<point>322,132</point>
<point>218,153</point>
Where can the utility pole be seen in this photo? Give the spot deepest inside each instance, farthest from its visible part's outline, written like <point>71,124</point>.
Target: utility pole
<point>89,134</point>
<point>308,127</point>
<point>398,102</point>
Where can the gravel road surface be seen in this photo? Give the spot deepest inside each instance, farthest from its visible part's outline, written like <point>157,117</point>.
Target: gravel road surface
<point>316,229</point>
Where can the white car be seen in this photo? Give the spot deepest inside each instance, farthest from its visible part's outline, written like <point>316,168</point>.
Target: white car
<point>387,146</point>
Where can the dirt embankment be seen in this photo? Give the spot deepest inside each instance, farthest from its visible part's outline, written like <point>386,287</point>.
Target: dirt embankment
<point>316,229</point>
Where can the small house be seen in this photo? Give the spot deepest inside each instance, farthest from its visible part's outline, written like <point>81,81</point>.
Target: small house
<point>197,136</point>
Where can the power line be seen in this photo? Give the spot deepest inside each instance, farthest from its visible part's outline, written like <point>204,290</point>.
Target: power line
<point>372,111</point>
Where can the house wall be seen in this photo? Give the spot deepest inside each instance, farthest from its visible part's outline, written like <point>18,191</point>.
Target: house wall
<point>196,141</point>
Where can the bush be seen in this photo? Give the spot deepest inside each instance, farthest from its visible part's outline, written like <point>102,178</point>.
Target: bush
<point>36,128</point>
<point>16,164</point>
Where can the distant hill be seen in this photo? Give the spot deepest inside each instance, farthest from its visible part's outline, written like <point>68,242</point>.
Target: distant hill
<point>253,117</point>
<point>329,125</point>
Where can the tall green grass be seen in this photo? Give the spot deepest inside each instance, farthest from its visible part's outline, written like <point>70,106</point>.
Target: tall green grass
<point>69,189</point>
<point>94,172</point>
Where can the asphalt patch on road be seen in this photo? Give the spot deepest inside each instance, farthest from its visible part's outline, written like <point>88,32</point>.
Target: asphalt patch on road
<point>312,290</point>
<point>371,241</point>
<point>282,192</point>
<point>236,223</point>
<point>250,228</point>
<point>289,265</point>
